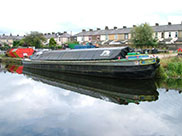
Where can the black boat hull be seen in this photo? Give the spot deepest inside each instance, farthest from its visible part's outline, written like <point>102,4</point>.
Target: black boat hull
<point>107,70</point>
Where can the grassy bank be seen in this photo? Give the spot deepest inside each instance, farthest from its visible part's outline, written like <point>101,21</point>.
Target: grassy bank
<point>5,59</point>
<point>170,68</point>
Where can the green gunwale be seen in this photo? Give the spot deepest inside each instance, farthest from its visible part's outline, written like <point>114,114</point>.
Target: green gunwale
<point>138,55</point>
<point>134,59</point>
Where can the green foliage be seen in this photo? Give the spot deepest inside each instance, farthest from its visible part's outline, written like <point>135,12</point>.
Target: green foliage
<point>34,39</point>
<point>22,42</point>
<point>19,43</point>
<point>72,44</point>
<point>179,68</point>
<point>172,67</point>
<point>161,74</point>
<point>5,47</point>
<point>16,43</point>
<point>52,43</point>
<point>142,35</point>
<point>59,47</point>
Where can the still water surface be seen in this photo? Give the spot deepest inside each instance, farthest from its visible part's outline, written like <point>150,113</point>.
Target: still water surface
<point>37,103</point>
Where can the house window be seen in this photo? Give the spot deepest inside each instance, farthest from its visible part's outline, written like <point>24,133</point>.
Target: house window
<point>125,36</point>
<point>176,34</point>
<point>162,34</point>
<point>107,37</point>
<point>169,34</point>
<point>156,35</point>
<point>98,38</point>
<point>115,36</point>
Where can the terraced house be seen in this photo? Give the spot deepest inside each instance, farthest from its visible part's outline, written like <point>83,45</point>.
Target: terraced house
<point>60,38</point>
<point>168,34</point>
<point>8,39</point>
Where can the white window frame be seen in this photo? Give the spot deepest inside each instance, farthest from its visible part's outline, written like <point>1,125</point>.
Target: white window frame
<point>116,36</point>
<point>126,36</point>
<point>107,37</point>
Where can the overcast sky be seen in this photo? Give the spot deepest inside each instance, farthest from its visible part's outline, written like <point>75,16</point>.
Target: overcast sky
<point>23,16</point>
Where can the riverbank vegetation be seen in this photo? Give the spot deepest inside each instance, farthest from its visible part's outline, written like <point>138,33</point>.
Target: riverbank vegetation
<point>5,59</point>
<point>170,68</point>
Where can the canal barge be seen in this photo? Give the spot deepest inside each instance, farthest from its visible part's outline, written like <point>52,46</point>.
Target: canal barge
<point>117,62</point>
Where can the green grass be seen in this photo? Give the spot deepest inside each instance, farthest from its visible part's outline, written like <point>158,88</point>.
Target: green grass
<point>172,67</point>
<point>1,55</point>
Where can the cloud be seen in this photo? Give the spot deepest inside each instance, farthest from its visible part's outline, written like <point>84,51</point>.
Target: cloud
<point>58,16</point>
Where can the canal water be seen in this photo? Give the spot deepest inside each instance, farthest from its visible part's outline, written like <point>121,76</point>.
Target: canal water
<point>40,103</point>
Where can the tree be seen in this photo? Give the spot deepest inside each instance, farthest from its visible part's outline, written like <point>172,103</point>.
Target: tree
<point>16,43</point>
<point>4,46</point>
<point>52,43</point>
<point>34,39</point>
<point>142,35</point>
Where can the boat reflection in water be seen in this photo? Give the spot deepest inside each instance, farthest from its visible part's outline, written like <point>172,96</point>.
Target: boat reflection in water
<point>113,90</point>
<point>15,69</point>
<point>12,68</point>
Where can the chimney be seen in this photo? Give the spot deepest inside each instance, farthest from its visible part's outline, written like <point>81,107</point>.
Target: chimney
<point>98,28</point>
<point>90,29</point>
<point>59,33</point>
<point>65,32</point>
<point>156,24</point>
<point>10,34</point>
<point>115,27</point>
<point>83,30</point>
<point>106,28</point>
<point>169,23</point>
<point>124,26</point>
<point>134,25</point>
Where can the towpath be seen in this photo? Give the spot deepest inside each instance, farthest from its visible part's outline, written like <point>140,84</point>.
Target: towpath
<point>166,55</point>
